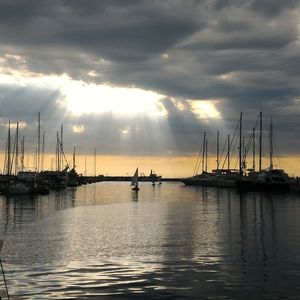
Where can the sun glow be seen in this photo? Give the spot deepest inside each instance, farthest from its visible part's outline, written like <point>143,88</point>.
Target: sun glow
<point>83,98</point>
<point>91,98</point>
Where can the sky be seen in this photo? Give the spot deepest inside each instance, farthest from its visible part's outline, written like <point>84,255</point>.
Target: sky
<point>147,78</point>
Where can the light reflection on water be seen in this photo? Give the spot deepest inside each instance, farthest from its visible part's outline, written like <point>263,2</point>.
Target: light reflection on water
<point>167,241</point>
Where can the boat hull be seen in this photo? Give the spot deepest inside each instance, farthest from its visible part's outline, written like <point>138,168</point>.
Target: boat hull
<point>265,181</point>
<point>199,182</point>
<point>203,179</point>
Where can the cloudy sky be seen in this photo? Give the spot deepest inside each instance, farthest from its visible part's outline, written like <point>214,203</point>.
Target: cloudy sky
<point>147,78</point>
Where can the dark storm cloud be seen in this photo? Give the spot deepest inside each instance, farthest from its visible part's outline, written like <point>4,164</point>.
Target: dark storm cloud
<point>245,54</point>
<point>268,7</point>
<point>115,30</point>
<point>274,7</point>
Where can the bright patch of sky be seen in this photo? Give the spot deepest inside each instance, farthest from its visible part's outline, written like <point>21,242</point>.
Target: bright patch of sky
<point>81,98</point>
<point>90,98</point>
<point>78,128</point>
<point>125,131</point>
<point>14,125</point>
<point>205,109</point>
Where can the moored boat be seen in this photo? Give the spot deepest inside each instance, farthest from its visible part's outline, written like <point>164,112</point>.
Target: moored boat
<point>270,179</point>
<point>152,177</point>
<point>203,179</point>
<point>225,178</point>
<point>266,180</point>
<point>16,187</point>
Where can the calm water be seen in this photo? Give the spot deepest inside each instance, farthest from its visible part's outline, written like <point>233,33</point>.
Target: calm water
<point>104,241</point>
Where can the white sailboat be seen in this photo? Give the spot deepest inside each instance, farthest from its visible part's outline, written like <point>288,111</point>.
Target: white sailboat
<point>135,180</point>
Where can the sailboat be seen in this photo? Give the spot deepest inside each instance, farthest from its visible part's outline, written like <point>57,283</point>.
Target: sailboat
<point>159,180</point>
<point>205,177</point>
<point>270,179</point>
<point>135,180</point>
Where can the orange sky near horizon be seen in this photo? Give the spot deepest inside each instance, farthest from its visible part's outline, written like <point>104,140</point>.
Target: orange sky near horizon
<point>167,166</point>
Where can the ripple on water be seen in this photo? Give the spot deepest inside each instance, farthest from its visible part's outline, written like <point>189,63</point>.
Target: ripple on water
<point>174,242</point>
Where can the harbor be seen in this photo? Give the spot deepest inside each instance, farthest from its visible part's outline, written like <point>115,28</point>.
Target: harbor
<point>244,179</point>
<point>18,180</point>
<point>149,150</point>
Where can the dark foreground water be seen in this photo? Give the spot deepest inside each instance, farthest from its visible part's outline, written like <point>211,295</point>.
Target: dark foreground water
<point>104,241</point>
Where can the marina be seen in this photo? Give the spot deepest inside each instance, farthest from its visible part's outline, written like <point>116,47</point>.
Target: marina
<point>150,150</point>
<point>244,179</point>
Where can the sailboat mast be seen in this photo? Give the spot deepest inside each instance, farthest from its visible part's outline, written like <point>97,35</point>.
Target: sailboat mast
<point>17,149</point>
<point>61,146</point>
<point>203,151</point>
<point>253,150</point>
<point>240,150</point>
<point>74,156</point>
<point>228,152</point>
<point>260,140</point>
<point>243,155</point>
<point>206,155</point>
<point>95,161</point>
<point>57,153</point>
<point>43,151</point>
<point>271,144</point>
<point>8,150</point>
<point>22,153</point>
<point>218,145</point>
<point>35,159</point>
<point>39,142</point>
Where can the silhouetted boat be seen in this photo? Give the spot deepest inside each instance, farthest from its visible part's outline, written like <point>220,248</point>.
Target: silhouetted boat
<point>72,178</point>
<point>153,177</point>
<point>295,184</point>
<point>159,180</point>
<point>135,180</point>
<point>219,177</point>
<point>16,187</point>
<point>225,178</point>
<point>270,179</point>
<point>203,179</point>
<point>266,180</point>
<point>56,180</point>
<point>37,184</point>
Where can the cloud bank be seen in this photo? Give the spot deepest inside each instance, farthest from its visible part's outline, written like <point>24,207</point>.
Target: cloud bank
<point>238,55</point>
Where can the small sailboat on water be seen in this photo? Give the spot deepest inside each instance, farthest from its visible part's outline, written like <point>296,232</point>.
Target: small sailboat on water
<point>135,180</point>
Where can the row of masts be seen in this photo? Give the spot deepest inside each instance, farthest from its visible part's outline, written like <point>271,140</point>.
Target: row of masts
<point>243,151</point>
<point>13,156</point>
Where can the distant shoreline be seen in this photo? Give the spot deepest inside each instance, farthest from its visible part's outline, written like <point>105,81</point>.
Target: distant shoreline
<point>141,178</point>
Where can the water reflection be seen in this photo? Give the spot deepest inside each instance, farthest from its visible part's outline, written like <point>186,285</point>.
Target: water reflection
<point>166,241</point>
<point>17,210</point>
<point>134,195</point>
